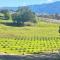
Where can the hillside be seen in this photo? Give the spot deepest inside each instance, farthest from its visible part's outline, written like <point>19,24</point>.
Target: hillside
<point>29,40</point>
<point>50,8</point>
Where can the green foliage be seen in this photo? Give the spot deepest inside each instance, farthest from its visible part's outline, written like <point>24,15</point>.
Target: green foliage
<point>6,14</point>
<point>59,29</point>
<point>24,14</point>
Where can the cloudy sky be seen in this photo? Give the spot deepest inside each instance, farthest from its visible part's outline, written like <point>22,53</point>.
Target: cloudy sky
<point>15,3</point>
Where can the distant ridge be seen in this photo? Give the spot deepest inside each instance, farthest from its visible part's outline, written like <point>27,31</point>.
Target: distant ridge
<point>50,8</point>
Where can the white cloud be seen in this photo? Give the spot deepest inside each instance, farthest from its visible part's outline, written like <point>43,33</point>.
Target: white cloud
<point>49,1</point>
<point>23,4</point>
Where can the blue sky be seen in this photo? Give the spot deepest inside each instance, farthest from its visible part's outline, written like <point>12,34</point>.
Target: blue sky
<point>15,3</point>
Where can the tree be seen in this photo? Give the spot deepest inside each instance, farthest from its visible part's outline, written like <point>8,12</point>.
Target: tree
<point>59,29</point>
<point>6,14</point>
<point>24,14</point>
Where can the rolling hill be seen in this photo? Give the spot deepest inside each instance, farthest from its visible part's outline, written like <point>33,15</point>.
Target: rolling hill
<point>50,8</point>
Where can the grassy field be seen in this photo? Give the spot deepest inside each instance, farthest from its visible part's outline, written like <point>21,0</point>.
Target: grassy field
<point>42,38</point>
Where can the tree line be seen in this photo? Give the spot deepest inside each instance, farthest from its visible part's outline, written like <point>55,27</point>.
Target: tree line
<point>23,14</point>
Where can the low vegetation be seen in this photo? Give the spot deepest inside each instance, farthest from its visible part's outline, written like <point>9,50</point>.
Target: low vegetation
<point>35,37</point>
<point>42,38</point>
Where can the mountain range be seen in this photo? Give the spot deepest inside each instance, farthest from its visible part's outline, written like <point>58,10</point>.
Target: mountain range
<point>50,8</point>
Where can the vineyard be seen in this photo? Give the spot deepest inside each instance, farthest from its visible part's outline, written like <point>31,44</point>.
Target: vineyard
<point>42,38</point>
